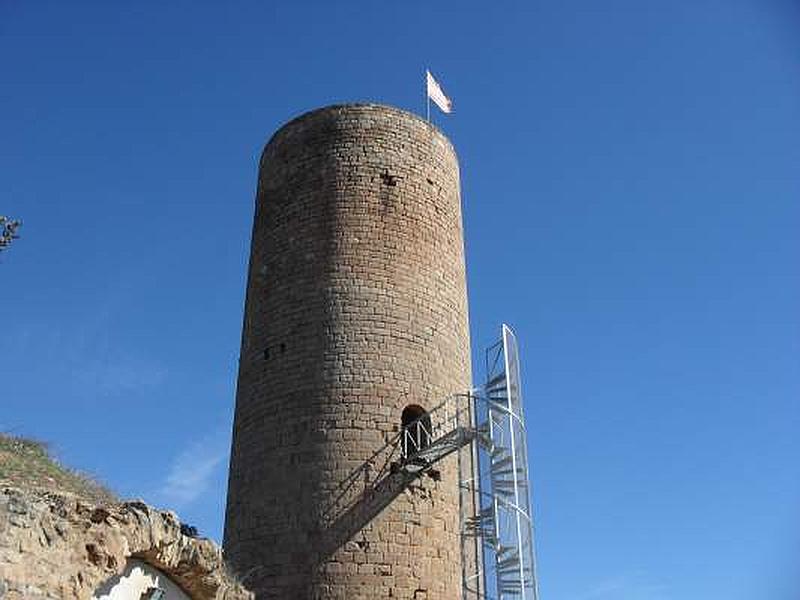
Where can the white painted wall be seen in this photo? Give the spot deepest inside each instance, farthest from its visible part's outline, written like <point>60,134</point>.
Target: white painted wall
<point>135,580</point>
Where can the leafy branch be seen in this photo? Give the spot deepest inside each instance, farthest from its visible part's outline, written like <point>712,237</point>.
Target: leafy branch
<point>8,231</point>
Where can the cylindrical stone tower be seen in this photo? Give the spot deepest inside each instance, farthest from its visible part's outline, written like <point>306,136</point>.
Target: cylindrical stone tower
<point>356,309</point>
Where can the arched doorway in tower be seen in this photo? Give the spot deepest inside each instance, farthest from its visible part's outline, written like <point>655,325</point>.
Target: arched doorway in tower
<point>416,430</point>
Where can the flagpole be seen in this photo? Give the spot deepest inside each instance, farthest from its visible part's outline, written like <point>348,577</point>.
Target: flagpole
<point>427,97</point>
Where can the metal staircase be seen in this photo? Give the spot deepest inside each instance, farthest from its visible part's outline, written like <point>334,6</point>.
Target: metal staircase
<point>496,529</point>
<point>411,453</point>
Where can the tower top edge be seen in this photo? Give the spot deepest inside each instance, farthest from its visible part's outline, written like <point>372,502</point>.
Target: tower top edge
<point>358,108</point>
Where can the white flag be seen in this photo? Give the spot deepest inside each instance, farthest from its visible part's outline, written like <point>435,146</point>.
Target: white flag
<point>436,94</point>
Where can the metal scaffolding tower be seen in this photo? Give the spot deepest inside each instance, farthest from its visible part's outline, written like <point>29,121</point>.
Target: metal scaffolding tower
<point>503,521</point>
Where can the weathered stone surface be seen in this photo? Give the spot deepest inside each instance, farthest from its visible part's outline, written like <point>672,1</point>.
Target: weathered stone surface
<point>59,546</point>
<point>356,308</point>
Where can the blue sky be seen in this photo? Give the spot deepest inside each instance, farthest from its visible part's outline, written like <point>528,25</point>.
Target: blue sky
<point>630,186</point>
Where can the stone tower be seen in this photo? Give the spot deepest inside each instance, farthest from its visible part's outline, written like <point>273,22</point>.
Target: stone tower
<point>356,310</point>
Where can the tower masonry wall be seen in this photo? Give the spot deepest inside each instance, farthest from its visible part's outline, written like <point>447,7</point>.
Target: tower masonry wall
<point>356,307</point>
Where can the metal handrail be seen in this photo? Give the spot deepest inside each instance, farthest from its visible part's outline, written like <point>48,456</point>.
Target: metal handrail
<point>406,445</point>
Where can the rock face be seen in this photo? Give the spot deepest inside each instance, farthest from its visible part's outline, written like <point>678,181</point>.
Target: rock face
<point>59,546</point>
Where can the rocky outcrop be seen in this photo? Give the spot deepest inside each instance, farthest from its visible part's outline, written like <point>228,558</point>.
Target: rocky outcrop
<point>60,546</point>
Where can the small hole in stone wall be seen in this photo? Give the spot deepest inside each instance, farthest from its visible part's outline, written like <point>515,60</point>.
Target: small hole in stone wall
<point>283,347</point>
<point>266,353</point>
<point>389,180</point>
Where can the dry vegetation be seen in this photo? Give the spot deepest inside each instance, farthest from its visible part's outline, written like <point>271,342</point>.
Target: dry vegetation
<point>27,464</point>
